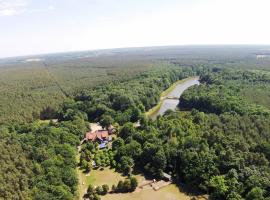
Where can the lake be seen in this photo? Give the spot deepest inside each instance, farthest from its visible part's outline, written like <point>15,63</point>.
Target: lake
<point>171,100</point>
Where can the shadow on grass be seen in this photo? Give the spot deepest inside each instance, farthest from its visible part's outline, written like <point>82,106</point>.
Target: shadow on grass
<point>84,171</point>
<point>138,171</point>
<point>190,190</point>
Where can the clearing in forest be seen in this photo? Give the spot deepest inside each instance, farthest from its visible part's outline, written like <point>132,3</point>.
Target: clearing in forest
<point>110,177</point>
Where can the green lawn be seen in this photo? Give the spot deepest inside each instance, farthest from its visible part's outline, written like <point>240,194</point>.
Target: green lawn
<point>105,176</point>
<point>170,192</point>
<point>98,178</point>
<point>110,177</point>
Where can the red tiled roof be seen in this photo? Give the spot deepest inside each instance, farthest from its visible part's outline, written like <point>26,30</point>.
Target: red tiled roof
<point>104,133</point>
<point>90,136</point>
<point>101,134</point>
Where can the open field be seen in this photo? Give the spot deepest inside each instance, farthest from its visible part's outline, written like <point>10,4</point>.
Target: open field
<point>110,177</point>
<point>170,192</point>
<point>98,177</point>
<point>105,176</point>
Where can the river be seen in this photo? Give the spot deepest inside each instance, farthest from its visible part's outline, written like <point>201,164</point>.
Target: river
<point>171,100</point>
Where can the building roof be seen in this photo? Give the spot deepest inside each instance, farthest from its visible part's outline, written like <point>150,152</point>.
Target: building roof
<point>103,133</point>
<point>168,176</point>
<point>102,145</point>
<point>100,134</point>
<point>90,136</point>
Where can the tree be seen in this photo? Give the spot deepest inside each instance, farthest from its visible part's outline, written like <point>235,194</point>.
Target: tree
<point>126,185</point>
<point>153,158</point>
<point>133,183</point>
<point>48,113</point>
<point>113,188</point>
<point>99,190</point>
<point>144,121</point>
<point>106,121</point>
<point>127,130</point>
<point>117,143</point>
<point>234,196</point>
<point>105,188</point>
<point>126,164</point>
<point>90,190</point>
<point>95,197</point>
<point>86,166</point>
<point>120,186</point>
<point>255,194</point>
<point>136,113</point>
<point>219,185</point>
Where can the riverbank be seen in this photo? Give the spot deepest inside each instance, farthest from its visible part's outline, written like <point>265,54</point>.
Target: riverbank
<point>150,113</point>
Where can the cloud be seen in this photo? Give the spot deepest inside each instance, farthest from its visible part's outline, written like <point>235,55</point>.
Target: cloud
<point>12,7</point>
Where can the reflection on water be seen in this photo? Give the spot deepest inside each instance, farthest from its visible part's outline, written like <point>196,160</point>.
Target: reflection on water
<point>172,99</point>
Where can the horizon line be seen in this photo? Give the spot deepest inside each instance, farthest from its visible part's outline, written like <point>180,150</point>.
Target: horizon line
<point>128,47</point>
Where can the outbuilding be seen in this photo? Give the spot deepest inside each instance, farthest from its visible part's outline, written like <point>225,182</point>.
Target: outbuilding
<point>167,177</point>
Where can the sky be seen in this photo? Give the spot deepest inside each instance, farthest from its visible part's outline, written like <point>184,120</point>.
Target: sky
<point>30,27</point>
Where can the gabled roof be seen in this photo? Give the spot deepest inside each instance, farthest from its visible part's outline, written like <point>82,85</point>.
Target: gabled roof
<point>90,136</point>
<point>100,134</point>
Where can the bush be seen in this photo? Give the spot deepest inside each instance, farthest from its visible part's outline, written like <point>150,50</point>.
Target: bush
<point>133,183</point>
<point>99,190</point>
<point>129,185</point>
<point>92,193</point>
<point>105,188</point>
<point>90,190</point>
<point>113,188</point>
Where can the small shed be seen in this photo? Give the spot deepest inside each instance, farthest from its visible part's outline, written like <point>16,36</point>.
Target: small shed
<point>167,177</point>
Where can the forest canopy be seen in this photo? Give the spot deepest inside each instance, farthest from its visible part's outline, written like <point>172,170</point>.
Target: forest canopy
<point>218,142</point>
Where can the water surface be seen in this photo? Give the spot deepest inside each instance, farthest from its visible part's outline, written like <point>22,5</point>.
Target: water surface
<point>171,100</point>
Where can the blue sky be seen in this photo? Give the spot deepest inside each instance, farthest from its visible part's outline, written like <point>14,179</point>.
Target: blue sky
<point>45,26</point>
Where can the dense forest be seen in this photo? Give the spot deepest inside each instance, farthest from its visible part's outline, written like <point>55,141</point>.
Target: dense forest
<point>38,160</point>
<point>27,88</point>
<point>46,150</point>
<point>226,91</point>
<point>217,143</point>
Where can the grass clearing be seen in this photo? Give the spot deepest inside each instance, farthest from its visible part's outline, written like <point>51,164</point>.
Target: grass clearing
<point>109,176</point>
<point>170,192</point>
<point>97,178</point>
<point>106,176</point>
